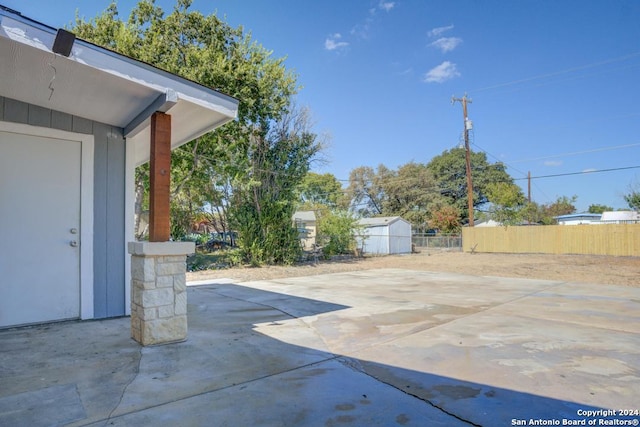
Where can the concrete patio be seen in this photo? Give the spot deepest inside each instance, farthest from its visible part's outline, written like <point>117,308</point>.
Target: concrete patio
<point>371,348</point>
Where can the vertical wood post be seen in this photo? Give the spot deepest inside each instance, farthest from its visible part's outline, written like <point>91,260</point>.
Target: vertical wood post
<point>160,179</point>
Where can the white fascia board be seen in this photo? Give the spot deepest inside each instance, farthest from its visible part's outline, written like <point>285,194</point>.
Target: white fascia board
<point>26,32</point>
<point>155,78</point>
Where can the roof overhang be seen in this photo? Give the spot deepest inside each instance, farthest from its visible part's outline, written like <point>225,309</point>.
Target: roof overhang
<point>102,85</point>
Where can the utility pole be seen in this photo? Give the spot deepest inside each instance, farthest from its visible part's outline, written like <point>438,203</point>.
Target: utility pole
<point>467,125</point>
<point>529,195</point>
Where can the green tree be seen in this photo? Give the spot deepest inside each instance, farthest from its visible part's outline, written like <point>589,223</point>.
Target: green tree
<point>365,192</point>
<point>449,171</point>
<point>264,205</point>
<point>410,192</point>
<point>633,200</point>
<point>633,196</point>
<point>534,214</point>
<point>544,214</point>
<point>222,164</point>
<point>445,218</point>
<point>598,209</point>
<point>337,232</point>
<point>321,189</point>
<point>562,206</point>
<point>507,201</point>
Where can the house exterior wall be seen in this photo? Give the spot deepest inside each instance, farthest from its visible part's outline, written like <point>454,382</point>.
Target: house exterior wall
<point>109,246</point>
<point>305,223</point>
<point>578,219</point>
<point>309,239</point>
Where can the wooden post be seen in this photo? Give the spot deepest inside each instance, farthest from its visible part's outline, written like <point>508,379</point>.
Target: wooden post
<point>160,179</point>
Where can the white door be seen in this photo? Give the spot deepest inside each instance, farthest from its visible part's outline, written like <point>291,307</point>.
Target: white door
<point>39,229</point>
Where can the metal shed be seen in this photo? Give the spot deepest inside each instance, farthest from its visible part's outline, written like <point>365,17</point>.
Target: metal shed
<point>385,235</point>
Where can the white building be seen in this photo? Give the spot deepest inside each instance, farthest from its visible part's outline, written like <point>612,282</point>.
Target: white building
<point>488,223</point>
<point>620,217</point>
<point>611,217</point>
<point>578,219</point>
<point>385,235</point>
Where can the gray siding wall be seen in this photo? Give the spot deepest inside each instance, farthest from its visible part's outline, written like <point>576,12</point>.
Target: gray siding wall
<point>108,197</point>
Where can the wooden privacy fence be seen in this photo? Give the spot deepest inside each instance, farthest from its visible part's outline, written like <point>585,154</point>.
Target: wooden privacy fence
<point>602,239</point>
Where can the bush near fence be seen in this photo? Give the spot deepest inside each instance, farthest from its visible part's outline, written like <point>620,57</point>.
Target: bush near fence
<point>601,239</point>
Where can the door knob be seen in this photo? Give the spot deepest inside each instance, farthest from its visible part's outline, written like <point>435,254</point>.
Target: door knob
<point>73,243</point>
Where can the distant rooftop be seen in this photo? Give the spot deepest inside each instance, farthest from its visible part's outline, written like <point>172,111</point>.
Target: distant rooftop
<point>304,216</point>
<point>620,216</point>
<point>379,221</point>
<point>579,215</point>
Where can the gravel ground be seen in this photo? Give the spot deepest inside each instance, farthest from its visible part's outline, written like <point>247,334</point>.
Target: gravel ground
<point>604,270</point>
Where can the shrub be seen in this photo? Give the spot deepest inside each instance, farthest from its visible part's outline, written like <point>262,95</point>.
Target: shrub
<point>336,233</point>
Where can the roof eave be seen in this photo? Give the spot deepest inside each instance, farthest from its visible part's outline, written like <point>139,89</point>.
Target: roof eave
<point>104,86</point>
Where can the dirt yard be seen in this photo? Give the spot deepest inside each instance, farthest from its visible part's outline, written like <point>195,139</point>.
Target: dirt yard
<point>570,268</point>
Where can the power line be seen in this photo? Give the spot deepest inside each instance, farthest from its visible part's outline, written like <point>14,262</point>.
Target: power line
<point>540,190</point>
<point>575,153</point>
<point>580,173</point>
<point>515,169</point>
<point>488,166</point>
<point>497,159</point>
<point>557,73</point>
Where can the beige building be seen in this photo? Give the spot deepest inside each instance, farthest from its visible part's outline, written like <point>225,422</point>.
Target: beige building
<point>305,223</point>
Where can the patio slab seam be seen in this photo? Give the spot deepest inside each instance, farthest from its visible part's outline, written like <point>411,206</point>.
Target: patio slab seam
<point>206,392</point>
<point>558,319</point>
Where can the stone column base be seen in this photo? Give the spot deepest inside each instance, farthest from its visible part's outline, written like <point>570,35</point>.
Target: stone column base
<point>159,291</point>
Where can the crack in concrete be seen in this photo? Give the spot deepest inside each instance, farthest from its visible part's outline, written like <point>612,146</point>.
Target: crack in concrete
<point>358,368</point>
<point>124,390</point>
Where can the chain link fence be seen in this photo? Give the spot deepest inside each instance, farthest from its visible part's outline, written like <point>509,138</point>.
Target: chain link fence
<point>439,242</point>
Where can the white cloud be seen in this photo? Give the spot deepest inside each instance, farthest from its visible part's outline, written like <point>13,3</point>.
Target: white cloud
<point>435,32</point>
<point>333,42</point>
<point>442,73</point>
<point>553,163</point>
<point>361,30</point>
<point>446,44</point>
<point>386,5</point>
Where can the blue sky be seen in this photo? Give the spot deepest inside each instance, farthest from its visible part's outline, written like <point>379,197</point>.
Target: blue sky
<point>554,85</point>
